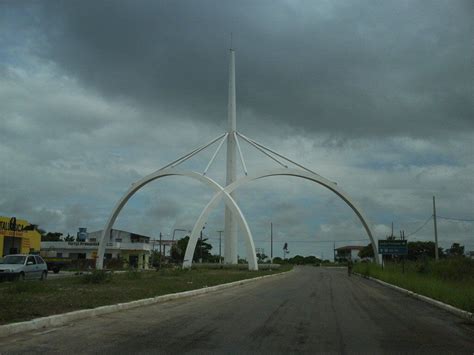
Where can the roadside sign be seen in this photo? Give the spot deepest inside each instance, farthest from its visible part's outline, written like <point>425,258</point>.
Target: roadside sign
<point>393,247</point>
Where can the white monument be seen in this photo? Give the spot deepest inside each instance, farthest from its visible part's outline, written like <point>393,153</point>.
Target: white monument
<point>233,215</point>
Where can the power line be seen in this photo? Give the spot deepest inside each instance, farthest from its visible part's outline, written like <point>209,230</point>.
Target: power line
<point>420,228</point>
<point>317,241</point>
<point>456,219</point>
<point>307,241</point>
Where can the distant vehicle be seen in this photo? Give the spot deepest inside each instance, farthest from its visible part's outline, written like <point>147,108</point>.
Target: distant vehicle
<point>23,267</point>
<point>56,264</point>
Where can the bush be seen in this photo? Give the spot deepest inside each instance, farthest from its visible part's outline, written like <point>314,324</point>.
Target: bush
<point>455,268</point>
<point>365,269</point>
<point>97,277</point>
<point>114,264</point>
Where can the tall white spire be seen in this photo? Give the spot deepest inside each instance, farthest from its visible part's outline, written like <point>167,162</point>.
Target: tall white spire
<point>230,226</point>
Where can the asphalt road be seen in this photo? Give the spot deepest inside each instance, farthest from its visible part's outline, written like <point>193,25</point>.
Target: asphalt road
<point>310,310</point>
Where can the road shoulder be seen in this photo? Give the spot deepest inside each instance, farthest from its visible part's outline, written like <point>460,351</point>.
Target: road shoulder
<point>454,310</point>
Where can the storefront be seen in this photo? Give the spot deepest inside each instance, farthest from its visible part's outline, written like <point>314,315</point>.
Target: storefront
<point>17,236</point>
<point>132,249</point>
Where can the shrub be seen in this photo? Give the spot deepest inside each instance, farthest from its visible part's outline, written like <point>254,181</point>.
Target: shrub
<point>455,268</point>
<point>423,266</point>
<point>114,264</point>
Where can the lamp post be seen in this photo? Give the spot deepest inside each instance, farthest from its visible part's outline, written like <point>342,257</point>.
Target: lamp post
<point>220,243</point>
<point>181,230</point>
<point>271,242</point>
<point>200,240</point>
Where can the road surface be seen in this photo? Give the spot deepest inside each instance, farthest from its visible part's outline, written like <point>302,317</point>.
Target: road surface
<point>310,310</point>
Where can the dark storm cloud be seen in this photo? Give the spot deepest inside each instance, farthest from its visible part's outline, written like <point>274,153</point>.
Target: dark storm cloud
<point>345,68</point>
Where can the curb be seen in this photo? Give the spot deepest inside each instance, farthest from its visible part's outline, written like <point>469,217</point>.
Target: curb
<point>454,310</point>
<point>61,319</point>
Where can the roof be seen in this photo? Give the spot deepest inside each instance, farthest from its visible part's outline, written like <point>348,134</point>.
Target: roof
<point>120,231</point>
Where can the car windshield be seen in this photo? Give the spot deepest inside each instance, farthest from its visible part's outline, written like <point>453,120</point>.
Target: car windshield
<point>13,259</point>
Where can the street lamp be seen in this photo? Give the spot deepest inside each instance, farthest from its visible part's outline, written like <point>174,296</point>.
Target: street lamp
<point>200,238</point>
<point>181,230</point>
<point>220,243</point>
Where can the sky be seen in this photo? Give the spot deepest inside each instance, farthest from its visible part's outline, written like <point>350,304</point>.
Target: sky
<point>377,96</point>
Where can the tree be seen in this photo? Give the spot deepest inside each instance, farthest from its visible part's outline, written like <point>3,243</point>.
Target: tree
<point>418,250</point>
<point>155,258</point>
<point>455,250</point>
<point>278,260</point>
<point>51,237</point>
<point>69,238</point>
<point>297,259</point>
<point>261,257</point>
<point>366,252</point>
<point>178,250</point>
<point>308,260</point>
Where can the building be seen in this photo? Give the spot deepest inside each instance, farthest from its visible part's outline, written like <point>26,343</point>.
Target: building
<point>349,252</point>
<point>133,249</point>
<point>18,236</point>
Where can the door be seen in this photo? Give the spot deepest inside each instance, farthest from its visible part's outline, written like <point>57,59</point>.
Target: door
<point>133,261</point>
<point>31,268</point>
<point>11,245</point>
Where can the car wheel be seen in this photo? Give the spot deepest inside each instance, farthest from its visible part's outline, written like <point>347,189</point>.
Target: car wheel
<point>44,275</point>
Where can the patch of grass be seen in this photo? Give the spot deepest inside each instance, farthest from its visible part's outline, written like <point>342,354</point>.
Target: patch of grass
<point>450,281</point>
<point>32,299</point>
<point>96,277</point>
<point>133,274</point>
<point>26,287</point>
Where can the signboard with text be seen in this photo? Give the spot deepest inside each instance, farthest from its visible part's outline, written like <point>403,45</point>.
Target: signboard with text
<point>393,247</point>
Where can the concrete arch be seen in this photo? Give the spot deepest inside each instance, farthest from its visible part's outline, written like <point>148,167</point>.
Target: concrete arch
<point>279,172</point>
<point>228,200</point>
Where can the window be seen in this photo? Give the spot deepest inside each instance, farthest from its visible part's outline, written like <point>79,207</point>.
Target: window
<point>92,240</point>
<point>13,259</point>
<point>59,255</point>
<point>118,240</point>
<point>31,259</point>
<point>39,260</point>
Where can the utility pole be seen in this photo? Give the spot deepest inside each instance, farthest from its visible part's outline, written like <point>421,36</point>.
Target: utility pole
<point>200,249</point>
<point>271,242</point>
<point>230,223</point>
<point>435,230</point>
<point>220,243</point>
<point>160,248</point>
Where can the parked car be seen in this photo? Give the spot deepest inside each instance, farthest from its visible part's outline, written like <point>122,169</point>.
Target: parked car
<point>23,267</point>
<point>56,264</point>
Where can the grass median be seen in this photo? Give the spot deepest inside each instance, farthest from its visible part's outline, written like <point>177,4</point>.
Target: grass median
<point>450,281</point>
<point>27,300</point>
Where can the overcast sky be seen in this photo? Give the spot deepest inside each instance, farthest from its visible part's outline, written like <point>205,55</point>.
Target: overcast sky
<point>377,96</point>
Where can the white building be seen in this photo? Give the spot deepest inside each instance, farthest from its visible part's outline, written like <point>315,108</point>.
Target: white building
<point>349,252</point>
<point>134,249</point>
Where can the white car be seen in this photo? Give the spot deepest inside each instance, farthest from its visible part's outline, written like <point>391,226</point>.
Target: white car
<point>23,267</point>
